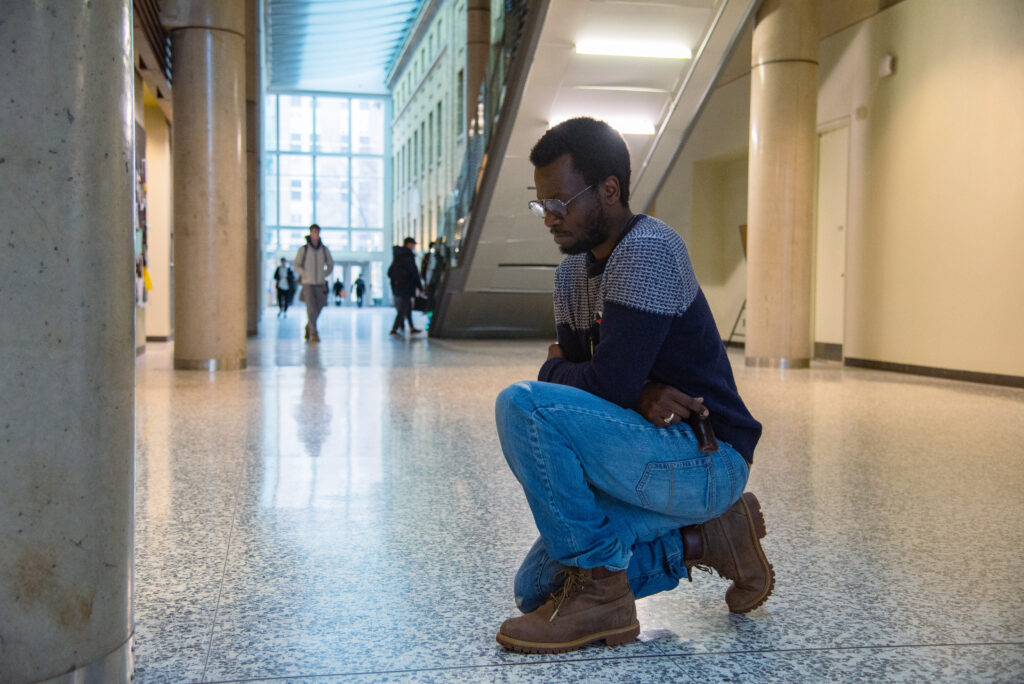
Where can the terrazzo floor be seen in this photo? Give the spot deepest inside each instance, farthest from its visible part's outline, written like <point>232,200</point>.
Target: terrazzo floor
<point>342,513</point>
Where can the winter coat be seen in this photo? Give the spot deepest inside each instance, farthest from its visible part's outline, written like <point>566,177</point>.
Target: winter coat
<point>405,278</point>
<point>313,263</point>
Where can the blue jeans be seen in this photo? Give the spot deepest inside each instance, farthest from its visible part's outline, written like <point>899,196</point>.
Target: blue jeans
<point>607,488</point>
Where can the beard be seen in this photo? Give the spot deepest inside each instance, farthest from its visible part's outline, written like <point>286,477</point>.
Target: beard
<point>598,228</point>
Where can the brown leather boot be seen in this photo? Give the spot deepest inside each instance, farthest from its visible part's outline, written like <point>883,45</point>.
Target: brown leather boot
<point>585,609</point>
<point>730,545</point>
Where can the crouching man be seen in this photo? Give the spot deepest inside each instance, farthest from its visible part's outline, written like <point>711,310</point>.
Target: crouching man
<point>625,496</point>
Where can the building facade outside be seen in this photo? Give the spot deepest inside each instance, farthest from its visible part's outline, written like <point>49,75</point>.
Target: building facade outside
<point>428,128</point>
<point>435,81</point>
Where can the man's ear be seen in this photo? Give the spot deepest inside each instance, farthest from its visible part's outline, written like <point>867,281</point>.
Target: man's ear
<point>609,190</point>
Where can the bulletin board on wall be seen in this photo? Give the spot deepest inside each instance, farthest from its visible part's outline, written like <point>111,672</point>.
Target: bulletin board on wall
<point>141,225</point>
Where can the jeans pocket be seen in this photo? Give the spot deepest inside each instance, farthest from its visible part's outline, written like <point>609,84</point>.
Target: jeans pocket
<point>680,488</point>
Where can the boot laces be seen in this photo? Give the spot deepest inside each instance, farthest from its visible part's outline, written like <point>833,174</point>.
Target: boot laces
<point>574,581</point>
<point>703,568</point>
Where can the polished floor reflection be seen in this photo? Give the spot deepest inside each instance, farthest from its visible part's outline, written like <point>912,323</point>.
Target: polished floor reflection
<point>342,513</point>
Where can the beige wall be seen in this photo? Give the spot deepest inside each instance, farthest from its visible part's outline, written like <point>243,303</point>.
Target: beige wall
<point>159,318</point>
<point>705,198</point>
<point>935,225</point>
<point>936,195</point>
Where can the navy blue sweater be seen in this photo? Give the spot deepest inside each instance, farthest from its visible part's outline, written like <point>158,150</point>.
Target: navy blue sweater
<point>640,315</point>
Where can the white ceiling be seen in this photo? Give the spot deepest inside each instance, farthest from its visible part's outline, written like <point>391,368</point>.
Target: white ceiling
<point>668,93</point>
<point>334,45</point>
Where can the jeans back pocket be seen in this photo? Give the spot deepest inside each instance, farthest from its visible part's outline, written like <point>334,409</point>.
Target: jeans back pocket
<point>679,488</point>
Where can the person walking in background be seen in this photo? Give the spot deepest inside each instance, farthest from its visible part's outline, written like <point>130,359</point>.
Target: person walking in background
<point>360,289</point>
<point>405,281</point>
<point>284,281</point>
<point>432,268</point>
<point>339,292</point>
<point>314,262</point>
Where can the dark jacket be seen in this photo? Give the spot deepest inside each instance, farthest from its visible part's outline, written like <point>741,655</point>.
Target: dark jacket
<point>405,278</point>
<point>289,274</point>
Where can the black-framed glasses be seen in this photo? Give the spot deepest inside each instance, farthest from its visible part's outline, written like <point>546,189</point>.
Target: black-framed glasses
<point>556,207</point>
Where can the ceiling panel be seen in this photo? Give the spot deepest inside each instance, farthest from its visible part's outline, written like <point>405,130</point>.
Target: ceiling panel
<point>334,45</point>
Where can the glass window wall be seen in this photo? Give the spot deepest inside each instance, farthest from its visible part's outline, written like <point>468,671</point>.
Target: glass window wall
<point>324,164</point>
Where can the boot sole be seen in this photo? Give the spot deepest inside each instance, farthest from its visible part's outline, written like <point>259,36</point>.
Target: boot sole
<point>612,637</point>
<point>755,518</point>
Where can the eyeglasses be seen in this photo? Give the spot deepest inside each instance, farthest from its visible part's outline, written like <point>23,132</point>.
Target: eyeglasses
<point>556,207</point>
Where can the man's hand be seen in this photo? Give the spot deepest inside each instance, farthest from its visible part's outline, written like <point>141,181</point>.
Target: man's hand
<point>555,352</point>
<point>664,405</point>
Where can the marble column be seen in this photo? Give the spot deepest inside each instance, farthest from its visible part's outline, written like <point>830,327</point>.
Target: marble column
<point>783,109</point>
<point>67,358</point>
<point>256,287</point>
<point>208,40</point>
<point>478,50</point>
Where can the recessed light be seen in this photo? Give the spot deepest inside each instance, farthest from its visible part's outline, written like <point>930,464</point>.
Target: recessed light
<point>626,125</point>
<point>632,48</point>
<point>623,89</point>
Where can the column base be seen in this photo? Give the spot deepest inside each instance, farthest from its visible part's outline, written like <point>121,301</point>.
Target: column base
<point>209,364</point>
<point>116,667</point>
<point>765,362</point>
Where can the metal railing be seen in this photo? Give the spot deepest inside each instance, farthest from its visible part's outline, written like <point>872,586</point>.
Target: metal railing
<point>459,203</point>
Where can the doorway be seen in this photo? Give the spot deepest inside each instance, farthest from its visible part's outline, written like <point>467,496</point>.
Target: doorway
<point>830,243</point>
<point>347,272</point>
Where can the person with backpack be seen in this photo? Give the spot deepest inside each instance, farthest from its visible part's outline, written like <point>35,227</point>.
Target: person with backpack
<point>314,262</point>
<point>405,281</point>
<point>284,281</point>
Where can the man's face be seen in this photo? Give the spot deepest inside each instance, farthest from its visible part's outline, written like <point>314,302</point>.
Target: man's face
<point>584,225</point>
<point>314,235</point>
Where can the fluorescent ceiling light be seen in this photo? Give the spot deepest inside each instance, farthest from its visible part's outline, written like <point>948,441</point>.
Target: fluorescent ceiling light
<point>632,48</point>
<point>626,125</point>
<point>623,89</point>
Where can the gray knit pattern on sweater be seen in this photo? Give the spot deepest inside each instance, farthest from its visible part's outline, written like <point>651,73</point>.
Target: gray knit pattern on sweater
<point>649,270</point>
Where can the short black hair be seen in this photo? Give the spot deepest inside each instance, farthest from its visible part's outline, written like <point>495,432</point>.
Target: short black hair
<point>314,226</point>
<point>597,151</point>
<point>408,240</point>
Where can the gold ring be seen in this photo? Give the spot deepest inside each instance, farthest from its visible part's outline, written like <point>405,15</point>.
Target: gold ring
<point>671,417</point>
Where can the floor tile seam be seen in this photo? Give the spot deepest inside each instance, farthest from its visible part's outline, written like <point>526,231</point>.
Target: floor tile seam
<point>677,662</point>
<point>223,574</point>
<point>869,647</point>
<point>455,668</point>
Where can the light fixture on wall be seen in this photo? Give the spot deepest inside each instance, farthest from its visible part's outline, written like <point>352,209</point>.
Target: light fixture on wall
<point>626,125</point>
<point>886,66</point>
<point>632,48</point>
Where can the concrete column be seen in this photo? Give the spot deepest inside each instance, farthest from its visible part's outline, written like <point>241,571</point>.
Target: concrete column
<point>783,109</point>
<point>478,50</point>
<point>254,217</point>
<point>208,41</point>
<point>67,360</point>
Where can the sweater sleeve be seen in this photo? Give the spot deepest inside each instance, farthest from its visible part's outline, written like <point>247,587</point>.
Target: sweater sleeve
<point>630,341</point>
<point>647,283</point>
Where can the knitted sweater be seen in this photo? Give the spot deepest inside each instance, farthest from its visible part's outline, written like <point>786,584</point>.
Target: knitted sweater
<point>640,315</point>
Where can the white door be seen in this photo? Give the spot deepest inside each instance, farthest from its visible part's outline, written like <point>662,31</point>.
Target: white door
<point>830,260</point>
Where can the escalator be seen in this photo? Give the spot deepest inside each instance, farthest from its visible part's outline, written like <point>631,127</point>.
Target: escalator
<point>501,258</point>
